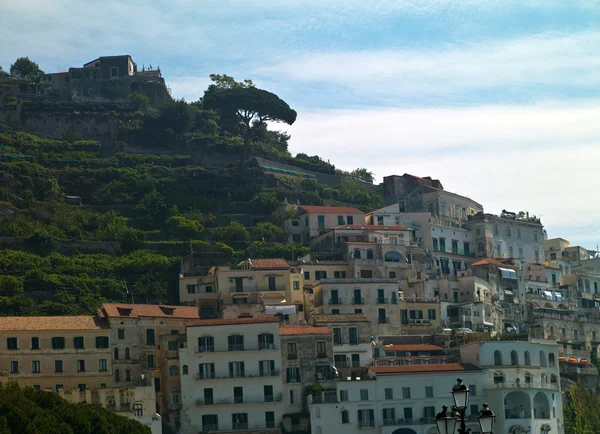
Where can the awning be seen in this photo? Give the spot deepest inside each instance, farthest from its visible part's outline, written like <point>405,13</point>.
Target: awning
<point>562,359</point>
<point>572,360</point>
<point>508,273</point>
<point>584,361</point>
<point>284,310</point>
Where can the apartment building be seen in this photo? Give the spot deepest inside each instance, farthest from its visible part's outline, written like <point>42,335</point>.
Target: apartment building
<point>376,299</point>
<point>144,344</point>
<point>352,342</point>
<point>397,399</point>
<point>231,375</point>
<point>389,353</point>
<point>255,287</point>
<point>419,315</point>
<point>509,235</point>
<point>307,360</point>
<point>313,221</point>
<point>73,355</point>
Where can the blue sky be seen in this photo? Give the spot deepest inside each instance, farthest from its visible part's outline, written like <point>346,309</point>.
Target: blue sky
<point>497,99</point>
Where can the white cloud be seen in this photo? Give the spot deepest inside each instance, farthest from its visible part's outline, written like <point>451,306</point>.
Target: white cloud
<point>549,61</point>
<point>541,158</point>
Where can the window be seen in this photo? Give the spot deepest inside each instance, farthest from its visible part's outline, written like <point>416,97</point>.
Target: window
<point>340,220</point>
<point>514,358</point>
<point>116,354</point>
<point>521,253</point>
<point>353,336</point>
<point>537,256</point>
<point>12,344</point>
<point>307,275</point>
<point>58,366</point>
<point>173,371</point>
<point>80,365</point>
<point>151,361</point>
<point>428,391</point>
<point>235,342</point>
<point>497,358</point>
<point>474,410</point>
<point>35,366</point>
<point>206,370</point>
<point>345,416</point>
<point>343,395</point>
<point>292,375</point>
<point>535,236</point>
<point>150,337</point>
<point>295,223</point>
<point>266,341</point>
<point>191,289</point>
<point>292,350</point>
<point>121,333</point>
<point>435,243</point>
<point>389,393</point>
<point>269,419</point>
<point>82,387</point>
<point>35,343</point>
<point>210,422</point>
<point>266,368</point>
<point>238,395</point>
<point>389,416</point>
<point>473,389</point>
<point>58,387</point>
<point>296,285</point>
<point>236,370</point>
<point>350,220</point>
<point>337,336</point>
<point>496,230</point>
<point>366,418</point>
<point>364,394</point>
<point>239,421</point>
<point>429,412</point>
<point>321,349</point>
<point>101,341</point>
<point>508,233</point>
<point>78,342</point>
<point>335,311</point>
<point>498,378</point>
<point>527,358</point>
<point>406,392</point>
<point>172,345</point>
<point>431,314</point>
<point>175,398</point>
<point>14,367</point>
<point>321,221</point>
<point>114,71</point>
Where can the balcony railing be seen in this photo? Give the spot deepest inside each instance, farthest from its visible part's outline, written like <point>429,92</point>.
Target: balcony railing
<point>358,300</point>
<point>383,300</point>
<point>335,301</point>
<point>417,421</point>
<point>260,374</point>
<point>524,385</point>
<point>276,288</point>
<point>325,397</point>
<point>240,400</point>
<point>366,424</point>
<point>205,349</point>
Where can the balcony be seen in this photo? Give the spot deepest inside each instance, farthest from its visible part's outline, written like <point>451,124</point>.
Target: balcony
<point>382,321</point>
<point>325,397</point>
<point>242,347</point>
<point>366,262</point>
<point>205,349</point>
<point>523,385</point>
<point>241,427</point>
<point>240,400</point>
<point>383,300</point>
<point>335,301</point>
<point>260,374</point>
<point>255,289</point>
<point>358,300</point>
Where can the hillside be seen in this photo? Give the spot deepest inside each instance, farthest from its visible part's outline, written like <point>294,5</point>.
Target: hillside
<point>25,411</point>
<point>83,223</point>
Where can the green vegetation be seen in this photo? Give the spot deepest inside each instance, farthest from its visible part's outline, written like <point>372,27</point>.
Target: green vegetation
<point>30,411</point>
<point>580,410</point>
<point>25,68</point>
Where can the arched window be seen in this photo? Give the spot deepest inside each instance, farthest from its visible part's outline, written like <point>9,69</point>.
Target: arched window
<point>594,335</point>
<point>356,254</point>
<point>514,358</point>
<point>543,359</point>
<point>185,370</point>
<point>551,360</point>
<point>127,374</point>
<point>393,257</point>
<point>551,332</point>
<point>127,355</point>
<point>173,371</point>
<point>527,358</point>
<point>528,378</point>
<point>497,358</point>
<point>116,355</point>
<point>575,335</point>
<point>370,254</point>
<point>117,375</point>
<point>563,333</point>
<point>544,379</point>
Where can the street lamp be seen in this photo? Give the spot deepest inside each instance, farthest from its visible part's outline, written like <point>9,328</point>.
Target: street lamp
<point>445,423</point>
<point>486,420</point>
<point>460,395</point>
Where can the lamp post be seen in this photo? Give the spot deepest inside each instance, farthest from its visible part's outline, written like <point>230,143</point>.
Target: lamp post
<point>446,422</point>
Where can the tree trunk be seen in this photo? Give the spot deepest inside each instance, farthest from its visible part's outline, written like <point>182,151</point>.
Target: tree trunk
<point>246,151</point>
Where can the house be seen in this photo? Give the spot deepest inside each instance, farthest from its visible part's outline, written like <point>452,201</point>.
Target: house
<point>313,221</point>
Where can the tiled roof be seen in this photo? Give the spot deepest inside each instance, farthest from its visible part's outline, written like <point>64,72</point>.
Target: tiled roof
<point>373,227</point>
<point>25,323</point>
<point>269,264</point>
<point>407,369</point>
<point>413,347</point>
<point>147,310</point>
<point>231,321</point>
<point>491,261</point>
<point>331,209</point>
<point>303,330</point>
<point>340,317</point>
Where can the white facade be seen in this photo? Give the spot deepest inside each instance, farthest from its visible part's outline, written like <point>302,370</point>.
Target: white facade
<point>234,379</point>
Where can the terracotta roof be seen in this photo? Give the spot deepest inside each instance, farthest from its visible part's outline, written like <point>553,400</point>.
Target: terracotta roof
<point>25,323</point>
<point>491,261</point>
<point>413,347</point>
<point>373,227</point>
<point>331,209</point>
<point>340,317</point>
<point>147,310</point>
<point>269,264</point>
<point>231,321</point>
<point>303,330</point>
<point>407,369</point>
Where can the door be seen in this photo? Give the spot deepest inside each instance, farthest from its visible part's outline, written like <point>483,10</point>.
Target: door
<point>380,296</point>
<point>382,316</point>
<point>268,393</point>
<point>208,397</point>
<point>357,297</point>
<point>355,360</point>
<point>334,296</point>
<point>238,395</point>
<point>239,284</point>
<point>455,297</point>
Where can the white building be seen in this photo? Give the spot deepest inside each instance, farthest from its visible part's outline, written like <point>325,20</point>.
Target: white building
<point>231,375</point>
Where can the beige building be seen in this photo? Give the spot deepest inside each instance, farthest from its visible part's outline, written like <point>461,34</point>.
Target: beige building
<point>255,287</point>
<point>313,221</point>
<point>73,355</point>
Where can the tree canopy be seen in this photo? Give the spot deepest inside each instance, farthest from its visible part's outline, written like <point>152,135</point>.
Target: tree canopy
<point>30,411</point>
<point>25,68</point>
<point>249,106</point>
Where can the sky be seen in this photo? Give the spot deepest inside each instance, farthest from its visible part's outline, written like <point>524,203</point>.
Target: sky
<point>497,99</point>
